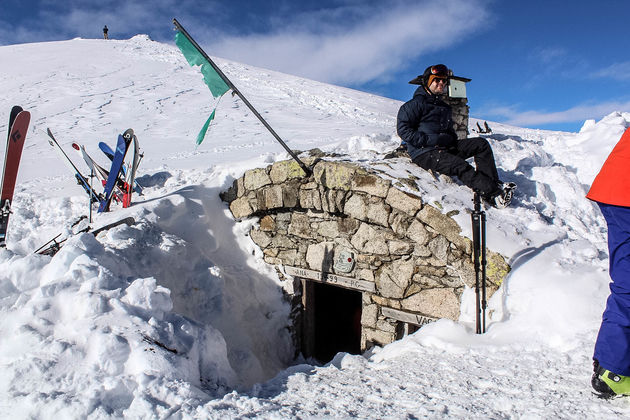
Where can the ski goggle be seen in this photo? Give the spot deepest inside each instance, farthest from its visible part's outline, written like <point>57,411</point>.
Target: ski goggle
<point>437,79</point>
<point>439,70</point>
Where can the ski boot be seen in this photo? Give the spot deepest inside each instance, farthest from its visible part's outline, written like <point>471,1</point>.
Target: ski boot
<point>608,384</point>
<point>503,197</point>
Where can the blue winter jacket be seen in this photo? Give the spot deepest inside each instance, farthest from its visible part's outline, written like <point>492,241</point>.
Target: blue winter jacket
<point>425,123</point>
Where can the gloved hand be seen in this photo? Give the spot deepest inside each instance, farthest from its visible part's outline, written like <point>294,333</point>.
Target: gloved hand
<point>445,140</point>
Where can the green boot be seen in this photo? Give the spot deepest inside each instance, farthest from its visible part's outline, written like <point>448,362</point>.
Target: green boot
<point>608,384</point>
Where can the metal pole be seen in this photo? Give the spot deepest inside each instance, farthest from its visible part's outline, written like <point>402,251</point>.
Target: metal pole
<point>483,271</point>
<point>478,218</point>
<point>475,218</point>
<point>180,28</point>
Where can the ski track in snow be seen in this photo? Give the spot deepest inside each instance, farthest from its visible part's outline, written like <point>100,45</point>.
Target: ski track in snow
<point>177,316</point>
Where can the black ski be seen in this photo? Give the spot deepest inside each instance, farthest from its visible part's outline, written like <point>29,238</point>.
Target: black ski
<point>14,112</point>
<point>54,245</point>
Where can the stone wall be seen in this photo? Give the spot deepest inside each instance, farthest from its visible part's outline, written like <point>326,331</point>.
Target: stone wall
<point>460,115</point>
<point>351,227</point>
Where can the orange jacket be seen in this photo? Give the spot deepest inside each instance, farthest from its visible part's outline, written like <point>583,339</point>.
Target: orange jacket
<point>612,183</point>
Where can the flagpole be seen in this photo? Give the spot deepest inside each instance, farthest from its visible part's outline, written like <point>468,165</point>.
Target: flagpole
<point>180,28</point>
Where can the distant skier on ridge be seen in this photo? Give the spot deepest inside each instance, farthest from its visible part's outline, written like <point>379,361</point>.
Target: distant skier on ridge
<point>105,30</point>
<point>425,126</point>
<point>611,359</point>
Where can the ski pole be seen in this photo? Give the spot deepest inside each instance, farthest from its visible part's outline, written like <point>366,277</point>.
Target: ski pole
<point>476,225</point>
<point>91,188</point>
<point>483,271</point>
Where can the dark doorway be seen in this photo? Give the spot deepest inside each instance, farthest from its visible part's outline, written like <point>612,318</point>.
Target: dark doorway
<point>332,321</point>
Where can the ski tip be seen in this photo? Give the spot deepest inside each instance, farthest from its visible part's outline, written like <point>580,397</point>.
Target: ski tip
<point>76,146</point>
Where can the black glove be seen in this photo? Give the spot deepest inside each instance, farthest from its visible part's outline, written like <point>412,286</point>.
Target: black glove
<point>445,140</point>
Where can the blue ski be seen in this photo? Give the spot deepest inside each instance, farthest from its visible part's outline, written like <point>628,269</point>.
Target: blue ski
<point>114,172</point>
<point>110,154</point>
<point>106,149</point>
<point>100,172</point>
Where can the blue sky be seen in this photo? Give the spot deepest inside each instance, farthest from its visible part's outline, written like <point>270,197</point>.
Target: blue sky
<point>543,64</point>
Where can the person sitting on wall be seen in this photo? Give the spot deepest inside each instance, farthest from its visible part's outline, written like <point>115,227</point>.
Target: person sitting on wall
<point>425,126</point>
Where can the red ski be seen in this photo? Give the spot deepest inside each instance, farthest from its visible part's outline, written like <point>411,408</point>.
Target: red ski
<point>18,126</point>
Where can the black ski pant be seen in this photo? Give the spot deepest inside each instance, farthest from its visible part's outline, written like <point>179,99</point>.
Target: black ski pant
<point>452,162</point>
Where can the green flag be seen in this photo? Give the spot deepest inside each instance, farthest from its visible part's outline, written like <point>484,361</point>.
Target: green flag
<point>211,78</point>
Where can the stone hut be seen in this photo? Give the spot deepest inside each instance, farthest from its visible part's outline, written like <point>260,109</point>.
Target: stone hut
<point>363,261</point>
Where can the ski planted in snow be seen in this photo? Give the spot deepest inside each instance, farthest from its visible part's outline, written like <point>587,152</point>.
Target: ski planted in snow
<point>119,156</point>
<point>14,112</point>
<point>107,151</point>
<point>18,127</point>
<point>81,180</point>
<point>130,176</point>
<point>101,173</point>
<point>54,245</point>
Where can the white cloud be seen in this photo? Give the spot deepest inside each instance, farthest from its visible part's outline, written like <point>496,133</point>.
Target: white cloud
<point>53,20</point>
<point>617,71</point>
<point>348,42</point>
<point>549,55</point>
<point>376,42</point>
<point>575,114</point>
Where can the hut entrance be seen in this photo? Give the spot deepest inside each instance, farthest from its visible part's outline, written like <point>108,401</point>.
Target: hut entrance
<point>332,321</point>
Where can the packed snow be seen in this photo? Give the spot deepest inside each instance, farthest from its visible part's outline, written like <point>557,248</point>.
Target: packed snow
<point>177,316</point>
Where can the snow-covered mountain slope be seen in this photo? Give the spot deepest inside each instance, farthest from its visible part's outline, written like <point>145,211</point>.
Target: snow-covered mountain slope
<point>177,316</point>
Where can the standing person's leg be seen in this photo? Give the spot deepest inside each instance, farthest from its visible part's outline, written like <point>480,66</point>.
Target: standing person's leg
<point>612,348</point>
<point>449,164</point>
<point>480,150</point>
